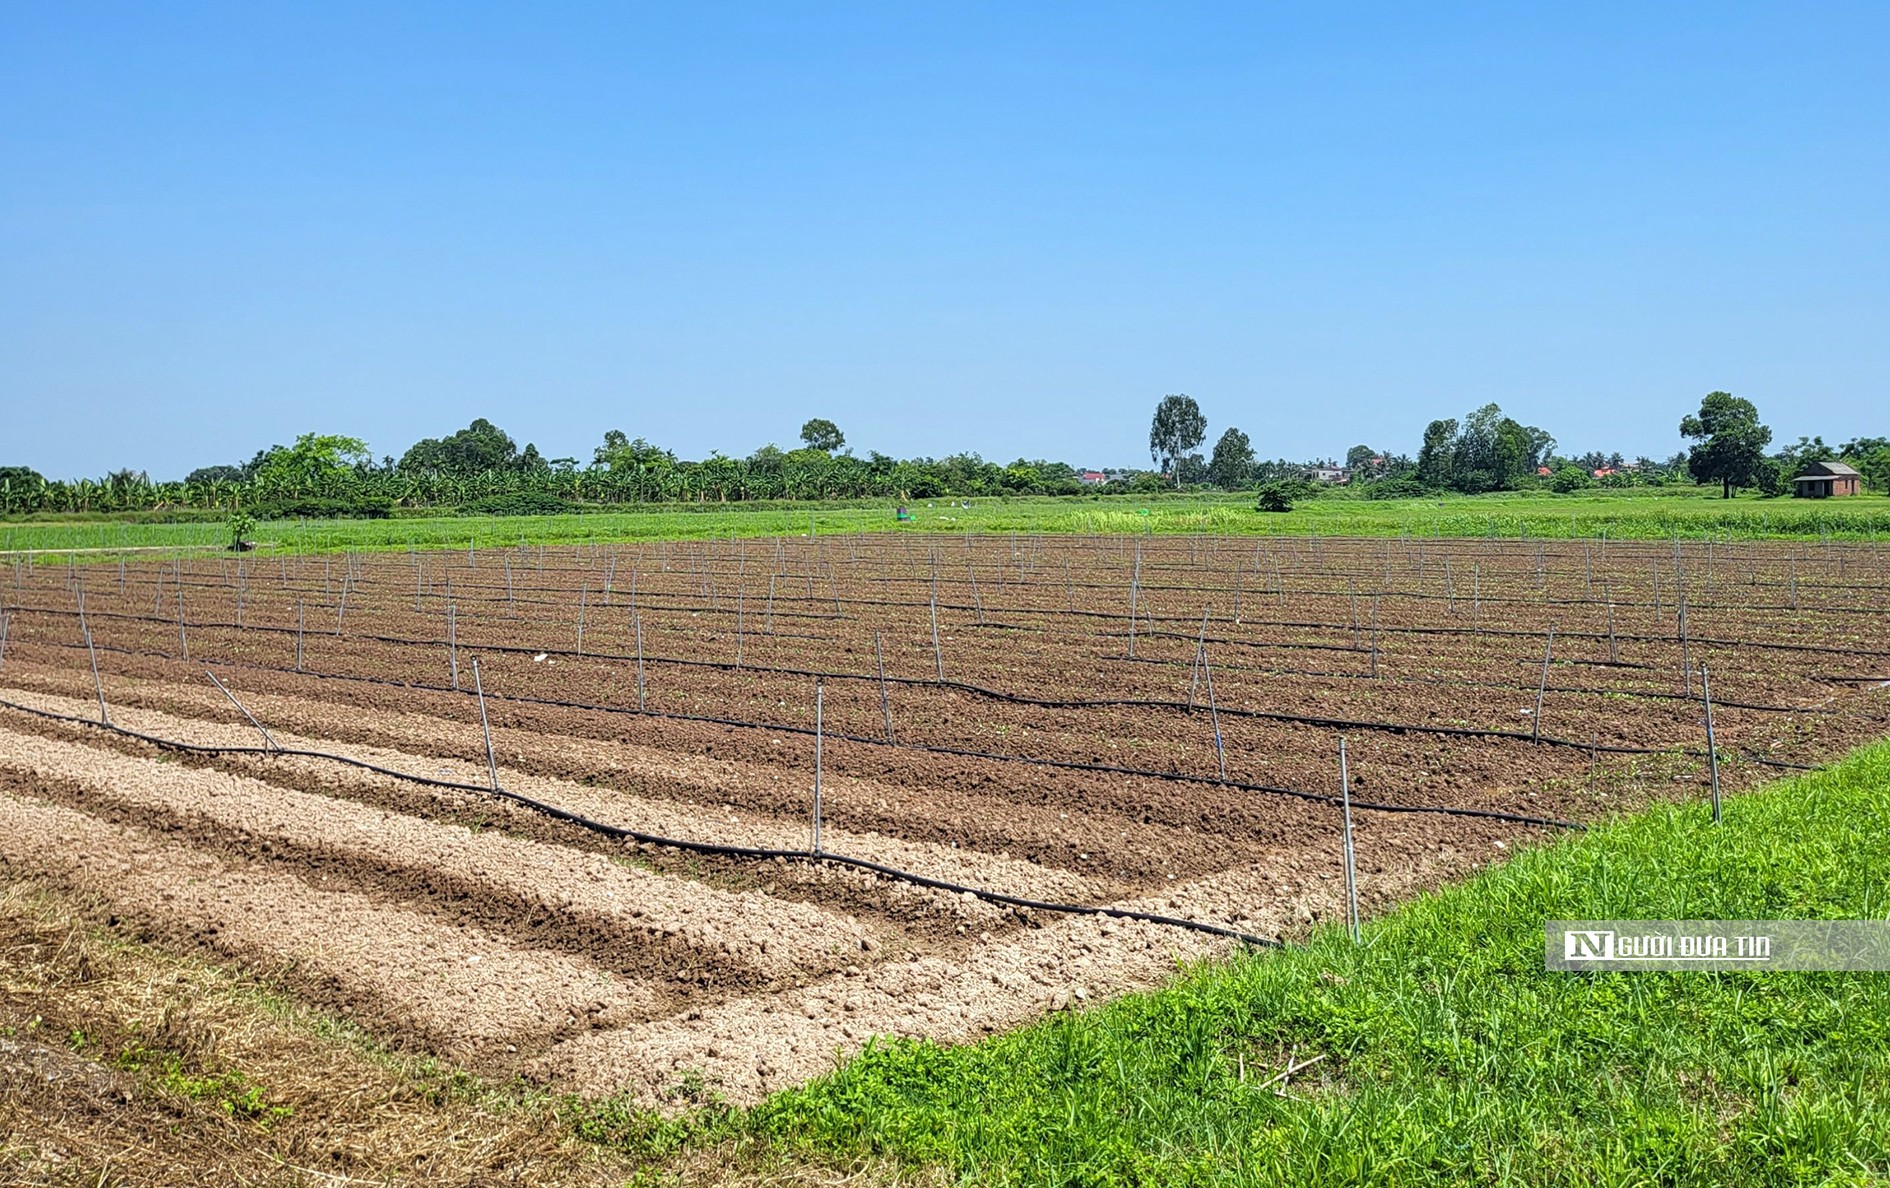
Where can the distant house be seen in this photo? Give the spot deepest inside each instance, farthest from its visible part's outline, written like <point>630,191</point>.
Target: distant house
<point>1331,474</point>
<point>1092,477</point>
<point>1543,471</point>
<point>1822,480</point>
<point>1606,472</point>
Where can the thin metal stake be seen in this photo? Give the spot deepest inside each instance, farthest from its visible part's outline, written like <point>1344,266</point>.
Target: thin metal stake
<point>1374,635</point>
<point>298,635</point>
<point>637,617</point>
<point>452,641</point>
<point>492,762</point>
<point>1712,752</point>
<point>1542,687</point>
<point>1200,651</point>
<point>98,685</point>
<point>885,705</point>
<point>1214,715</point>
<point>267,741</point>
<point>1135,592</point>
<point>818,714</point>
<point>1686,665</point>
<point>1351,874</point>
<point>938,653</point>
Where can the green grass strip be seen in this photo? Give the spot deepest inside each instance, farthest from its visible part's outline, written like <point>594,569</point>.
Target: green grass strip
<point>1451,1055</point>
<point>1635,514</point>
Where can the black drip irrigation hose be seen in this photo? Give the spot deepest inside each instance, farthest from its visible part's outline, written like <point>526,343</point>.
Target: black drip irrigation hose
<point>1022,699</point>
<point>714,573</point>
<point>1281,716</point>
<point>1546,740</point>
<point>719,849</point>
<point>1176,777</point>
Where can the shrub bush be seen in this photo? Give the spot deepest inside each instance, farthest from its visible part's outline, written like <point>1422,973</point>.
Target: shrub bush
<point>1397,488</point>
<point>1569,479</point>
<point>519,503</point>
<point>1275,497</point>
<point>313,508</point>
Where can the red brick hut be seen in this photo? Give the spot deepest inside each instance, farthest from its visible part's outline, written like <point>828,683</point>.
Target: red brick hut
<point>1822,480</point>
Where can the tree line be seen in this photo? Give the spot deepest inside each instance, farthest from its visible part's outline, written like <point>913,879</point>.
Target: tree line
<point>1488,450</point>
<point>482,470</point>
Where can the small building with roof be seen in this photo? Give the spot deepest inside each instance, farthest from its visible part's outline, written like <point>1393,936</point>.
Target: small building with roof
<point>1824,480</point>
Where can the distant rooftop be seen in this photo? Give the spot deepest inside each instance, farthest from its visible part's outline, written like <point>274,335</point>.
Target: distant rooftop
<point>1827,470</point>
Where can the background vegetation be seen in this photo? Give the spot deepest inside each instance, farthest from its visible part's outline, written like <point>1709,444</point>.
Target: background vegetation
<point>480,470</point>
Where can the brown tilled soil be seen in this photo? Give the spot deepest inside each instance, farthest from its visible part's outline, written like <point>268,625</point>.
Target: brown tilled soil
<point>451,922</point>
<point>124,1064</point>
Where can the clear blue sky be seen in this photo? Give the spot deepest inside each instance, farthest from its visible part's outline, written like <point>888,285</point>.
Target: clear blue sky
<point>1008,228</point>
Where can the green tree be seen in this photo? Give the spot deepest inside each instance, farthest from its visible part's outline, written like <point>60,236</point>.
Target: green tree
<point>822,434</point>
<point>1177,428</point>
<point>480,448</point>
<point>205,475</point>
<point>1773,477</point>
<point>1875,467</point>
<point>1231,467</point>
<point>1359,457</point>
<point>317,464</point>
<point>1730,442</point>
<point>1434,458</point>
<point>1795,458</point>
<point>1493,452</point>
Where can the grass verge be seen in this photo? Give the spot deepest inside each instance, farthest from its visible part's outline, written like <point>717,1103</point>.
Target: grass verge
<point>1637,514</point>
<point>1447,1053</point>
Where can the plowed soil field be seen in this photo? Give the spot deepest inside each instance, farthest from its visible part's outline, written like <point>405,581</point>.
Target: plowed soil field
<point>1147,724</point>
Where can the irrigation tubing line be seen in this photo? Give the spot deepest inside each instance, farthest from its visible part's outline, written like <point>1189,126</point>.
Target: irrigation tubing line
<point>1061,764</point>
<point>997,694</point>
<point>656,599</point>
<point>1549,575</point>
<point>992,756</point>
<point>697,608</point>
<point>654,839</point>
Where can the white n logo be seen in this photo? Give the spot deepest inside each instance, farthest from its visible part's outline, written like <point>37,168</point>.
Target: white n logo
<point>1587,946</point>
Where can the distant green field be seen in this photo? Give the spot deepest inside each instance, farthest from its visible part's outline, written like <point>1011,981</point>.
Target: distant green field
<point>1449,1054</point>
<point>1646,513</point>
